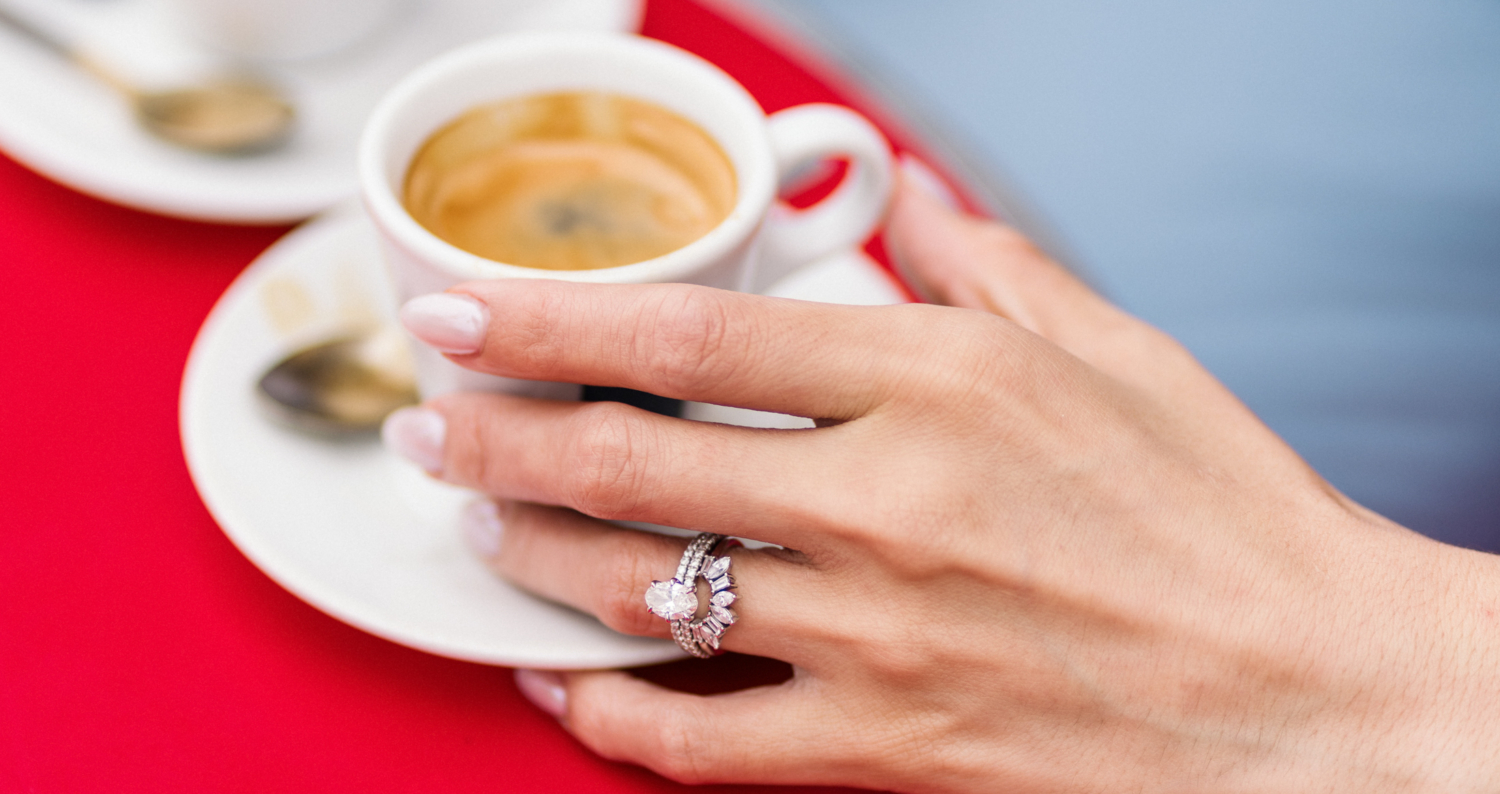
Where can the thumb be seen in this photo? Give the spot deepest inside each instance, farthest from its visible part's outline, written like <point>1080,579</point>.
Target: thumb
<point>953,258</point>
<point>956,259</point>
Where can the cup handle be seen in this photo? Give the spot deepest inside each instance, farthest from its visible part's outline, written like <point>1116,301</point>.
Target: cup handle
<point>847,216</point>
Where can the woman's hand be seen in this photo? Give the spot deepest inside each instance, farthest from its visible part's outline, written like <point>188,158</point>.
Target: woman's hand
<point>1032,545</point>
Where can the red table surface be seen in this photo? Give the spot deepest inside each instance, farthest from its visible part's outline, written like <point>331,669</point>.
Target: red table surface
<point>139,651</point>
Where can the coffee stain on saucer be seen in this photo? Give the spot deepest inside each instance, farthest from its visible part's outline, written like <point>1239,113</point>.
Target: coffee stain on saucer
<point>288,305</point>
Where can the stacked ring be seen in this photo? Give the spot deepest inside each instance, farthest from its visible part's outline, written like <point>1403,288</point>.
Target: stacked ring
<point>676,599</point>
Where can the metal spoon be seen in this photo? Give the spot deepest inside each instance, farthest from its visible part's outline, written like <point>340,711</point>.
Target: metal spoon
<point>345,386</point>
<point>239,115</point>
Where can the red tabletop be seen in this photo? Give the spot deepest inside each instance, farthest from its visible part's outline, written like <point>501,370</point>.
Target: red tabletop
<point>139,651</point>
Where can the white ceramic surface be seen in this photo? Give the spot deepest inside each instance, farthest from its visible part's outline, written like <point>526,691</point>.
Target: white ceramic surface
<point>283,29</point>
<point>65,124</point>
<point>355,531</point>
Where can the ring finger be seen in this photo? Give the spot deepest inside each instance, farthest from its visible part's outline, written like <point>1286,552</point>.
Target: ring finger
<point>604,570</point>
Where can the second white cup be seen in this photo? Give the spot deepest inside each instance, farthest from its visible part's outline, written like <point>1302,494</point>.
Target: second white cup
<point>283,30</point>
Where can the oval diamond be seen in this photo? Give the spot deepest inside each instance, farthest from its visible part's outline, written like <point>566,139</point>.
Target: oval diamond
<point>672,600</point>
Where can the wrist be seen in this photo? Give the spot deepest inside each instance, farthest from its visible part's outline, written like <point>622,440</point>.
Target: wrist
<point>1429,616</point>
<point>1455,734</point>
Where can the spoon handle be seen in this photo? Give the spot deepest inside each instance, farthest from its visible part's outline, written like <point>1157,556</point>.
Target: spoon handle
<point>42,37</point>
<point>36,34</point>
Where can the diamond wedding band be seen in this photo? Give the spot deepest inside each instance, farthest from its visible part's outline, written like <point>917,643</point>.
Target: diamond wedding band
<point>676,600</point>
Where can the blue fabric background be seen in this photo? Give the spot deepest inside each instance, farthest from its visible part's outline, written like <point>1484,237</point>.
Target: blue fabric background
<point>1305,192</point>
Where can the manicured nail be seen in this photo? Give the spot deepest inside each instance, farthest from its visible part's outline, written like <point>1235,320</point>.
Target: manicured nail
<point>451,323</point>
<point>482,527</point>
<point>417,435</point>
<point>544,689</point>
<point>920,175</point>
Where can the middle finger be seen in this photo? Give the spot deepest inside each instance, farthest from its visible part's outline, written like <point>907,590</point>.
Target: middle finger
<point>616,462</point>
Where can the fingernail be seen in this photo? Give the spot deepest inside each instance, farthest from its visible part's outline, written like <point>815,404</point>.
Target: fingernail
<point>482,527</point>
<point>920,175</point>
<point>417,435</point>
<point>451,323</point>
<point>544,689</point>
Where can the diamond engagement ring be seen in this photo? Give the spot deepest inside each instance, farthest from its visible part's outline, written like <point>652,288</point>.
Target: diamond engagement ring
<point>676,600</point>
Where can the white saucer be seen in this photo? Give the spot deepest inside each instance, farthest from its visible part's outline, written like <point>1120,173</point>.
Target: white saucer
<point>69,126</point>
<point>355,531</point>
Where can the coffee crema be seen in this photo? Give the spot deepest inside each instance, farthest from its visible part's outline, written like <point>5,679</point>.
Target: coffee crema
<point>570,181</point>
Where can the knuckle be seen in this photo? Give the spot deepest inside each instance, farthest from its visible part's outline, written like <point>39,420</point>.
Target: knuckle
<point>678,752</point>
<point>988,341</point>
<point>595,724</point>
<point>1007,244</point>
<point>528,338</point>
<point>607,444</point>
<point>972,354</point>
<point>622,605</point>
<point>1127,339</point>
<point>484,467</point>
<point>908,542</point>
<point>1149,339</point>
<point>898,655</point>
<point>468,458</point>
<point>690,330</point>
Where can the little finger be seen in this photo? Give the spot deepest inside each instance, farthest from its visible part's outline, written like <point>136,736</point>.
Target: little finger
<point>769,734</point>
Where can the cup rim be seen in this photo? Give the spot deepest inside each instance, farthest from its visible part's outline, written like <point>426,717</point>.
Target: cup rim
<point>756,178</point>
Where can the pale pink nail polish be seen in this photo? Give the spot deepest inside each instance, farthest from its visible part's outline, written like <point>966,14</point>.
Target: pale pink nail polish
<point>416,434</point>
<point>451,323</point>
<point>482,527</point>
<point>921,176</point>
<point>544,689</point>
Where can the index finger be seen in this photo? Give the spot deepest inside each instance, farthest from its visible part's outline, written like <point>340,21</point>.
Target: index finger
<point>691,343</point>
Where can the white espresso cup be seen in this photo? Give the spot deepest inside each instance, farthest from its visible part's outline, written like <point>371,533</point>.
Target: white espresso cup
<point>759,242</point>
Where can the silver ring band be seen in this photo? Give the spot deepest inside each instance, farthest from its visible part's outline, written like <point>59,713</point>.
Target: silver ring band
<point>676,599</point>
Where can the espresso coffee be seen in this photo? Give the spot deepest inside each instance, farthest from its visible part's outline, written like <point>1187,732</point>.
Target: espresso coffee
<point>570,181</point>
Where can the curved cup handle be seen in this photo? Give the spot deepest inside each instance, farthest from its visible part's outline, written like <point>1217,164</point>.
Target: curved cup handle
<point>847,216</point>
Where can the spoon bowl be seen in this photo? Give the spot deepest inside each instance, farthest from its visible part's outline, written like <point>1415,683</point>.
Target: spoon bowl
<point>343,387</point>
<point>228,116</point>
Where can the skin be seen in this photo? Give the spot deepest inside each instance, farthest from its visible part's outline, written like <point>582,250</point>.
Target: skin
<point>1032,545</point>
